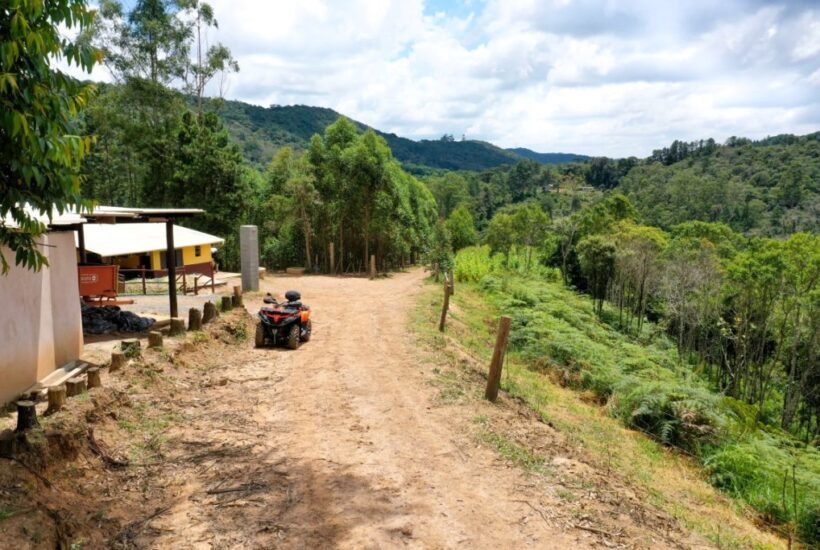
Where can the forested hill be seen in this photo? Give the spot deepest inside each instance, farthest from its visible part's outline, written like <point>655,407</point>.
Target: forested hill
<point>260,131</point>
<point>548,158</point>
<point>766,187</point>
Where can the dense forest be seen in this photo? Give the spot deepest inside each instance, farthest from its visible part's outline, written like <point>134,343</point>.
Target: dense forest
<point>717,340</point>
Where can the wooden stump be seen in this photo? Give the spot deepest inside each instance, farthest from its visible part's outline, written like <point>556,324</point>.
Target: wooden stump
<point>56,398</point>
<point>236,299</point>
<point>8,443</point>
<point>209,312</point>
<point>75,386</point>
<point>194,319</point>
<point>26,416</point>
<point>94,380</point>
<point>227,303</point>
<point>155,339</point>
<point>131,347</point>
<point>117,361</point>
<point>177,327</point>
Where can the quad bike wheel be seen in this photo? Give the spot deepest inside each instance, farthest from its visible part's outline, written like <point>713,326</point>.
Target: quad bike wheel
<point>293,336</point>
<point>259,337</point>
<point>306,336</point>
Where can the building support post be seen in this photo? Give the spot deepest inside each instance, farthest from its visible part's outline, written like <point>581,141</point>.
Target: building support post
<point>171,263</point>
<point>81,239</point>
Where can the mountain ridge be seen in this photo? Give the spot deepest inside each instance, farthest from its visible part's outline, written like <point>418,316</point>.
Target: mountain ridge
<point>261,130</point>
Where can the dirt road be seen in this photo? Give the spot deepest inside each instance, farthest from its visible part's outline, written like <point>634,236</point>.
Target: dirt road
<point>343,445</point>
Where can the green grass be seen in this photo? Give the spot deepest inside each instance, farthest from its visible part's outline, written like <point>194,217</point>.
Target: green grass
<point>6,512</point>
<point>513,452</point>
<point>639,381</point>
<point>616,390</point>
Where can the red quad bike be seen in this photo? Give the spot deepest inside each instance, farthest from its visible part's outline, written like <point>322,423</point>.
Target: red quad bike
<point>286,322</point>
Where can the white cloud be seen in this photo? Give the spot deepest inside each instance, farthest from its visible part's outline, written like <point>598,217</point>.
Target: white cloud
<point>588,76</point>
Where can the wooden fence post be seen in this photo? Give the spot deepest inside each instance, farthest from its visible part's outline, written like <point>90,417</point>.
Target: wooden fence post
<point>494,377</point>
<point>372,266</point>
<point>144,289</point>
<point>445,306</point>
<point>332,254</point>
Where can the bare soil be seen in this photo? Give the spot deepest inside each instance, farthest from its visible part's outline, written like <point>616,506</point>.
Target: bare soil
<point>359,439</point>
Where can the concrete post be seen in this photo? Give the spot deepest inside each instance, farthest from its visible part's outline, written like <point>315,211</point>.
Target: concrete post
<point>249,256</point>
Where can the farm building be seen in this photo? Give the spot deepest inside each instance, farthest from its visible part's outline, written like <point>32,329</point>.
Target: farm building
<point>135,246</point>
<point>41,328</point>
<point>40,323</point>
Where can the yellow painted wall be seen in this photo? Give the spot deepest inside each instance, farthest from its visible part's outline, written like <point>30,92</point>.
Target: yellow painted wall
<point>189,256</point>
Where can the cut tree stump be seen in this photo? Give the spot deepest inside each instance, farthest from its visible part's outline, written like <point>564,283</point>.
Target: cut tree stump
<point>26,416</point>
<point>227,303</point>
<point>155,339</point>
<point>75,386</point>
<point>236,299</point>
<point>131,347</point>
<point>194,319</point>
<point>8,443</point>
<point>177,327</point>
<point>94,380</point>
<point>209,312</point>
<point>117,361</point>
<point>56,398</point>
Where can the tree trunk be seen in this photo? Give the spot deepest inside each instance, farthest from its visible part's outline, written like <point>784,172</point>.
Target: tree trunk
<point>26,416</point>
<point>56,398</point>
<point>131,347</point>
<point>155,339</point>
<point>117,361</point>
<point>75,386</point>
<point>194,319</point>
<point>227,303</point>
<point>209,312</point>
<point>94,380</point>
<point>177,327</point>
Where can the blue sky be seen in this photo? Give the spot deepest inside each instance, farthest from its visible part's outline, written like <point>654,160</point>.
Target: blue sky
<point>586,76</point>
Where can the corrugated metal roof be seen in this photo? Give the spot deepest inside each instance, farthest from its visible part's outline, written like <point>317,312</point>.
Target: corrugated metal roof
<point>136,238</point>
<point>127,212</point>
<point>55,219</point>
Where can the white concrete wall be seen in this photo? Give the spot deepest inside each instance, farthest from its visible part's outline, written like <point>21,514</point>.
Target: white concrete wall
<point>40,323</point>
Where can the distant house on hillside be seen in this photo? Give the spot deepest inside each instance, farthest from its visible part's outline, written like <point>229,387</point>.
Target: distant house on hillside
<point>143,246</point>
